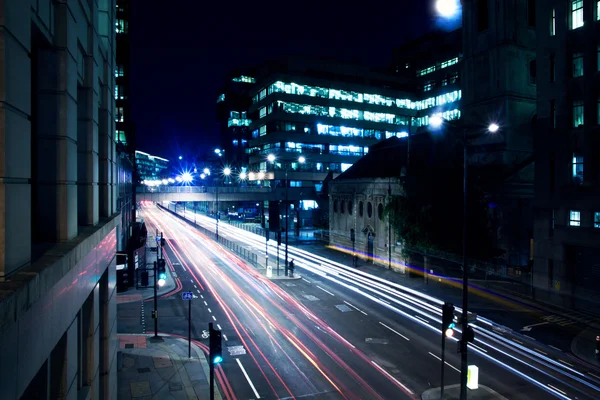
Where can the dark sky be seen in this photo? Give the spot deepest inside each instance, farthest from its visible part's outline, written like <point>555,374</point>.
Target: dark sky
<point>183,49</point>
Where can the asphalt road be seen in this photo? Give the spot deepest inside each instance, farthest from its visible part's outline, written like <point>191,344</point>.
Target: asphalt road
<point>318,337</point>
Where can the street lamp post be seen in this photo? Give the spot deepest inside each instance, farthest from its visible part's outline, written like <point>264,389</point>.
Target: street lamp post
<point>437,122</point>
<point>301,160</point>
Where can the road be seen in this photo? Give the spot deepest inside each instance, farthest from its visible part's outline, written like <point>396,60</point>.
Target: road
<point>334,333</point>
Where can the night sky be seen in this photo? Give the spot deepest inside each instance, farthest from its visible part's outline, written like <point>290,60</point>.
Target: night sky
<point>182,51</point>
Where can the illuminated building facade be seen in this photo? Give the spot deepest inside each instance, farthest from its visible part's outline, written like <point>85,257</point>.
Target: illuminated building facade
<point>326,111</point>
<point>567,190</point>
<point>233,102</point>
<point>149,167</point>
<point>59,217</point>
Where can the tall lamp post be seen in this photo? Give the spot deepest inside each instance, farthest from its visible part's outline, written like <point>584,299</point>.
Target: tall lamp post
<point>271,158</point>
<point>226,173</point>
<point>437,122</point>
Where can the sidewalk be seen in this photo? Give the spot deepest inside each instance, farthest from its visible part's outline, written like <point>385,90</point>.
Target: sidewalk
<point>584,346</point>
<point>452,392</point>
<point>149,369</point>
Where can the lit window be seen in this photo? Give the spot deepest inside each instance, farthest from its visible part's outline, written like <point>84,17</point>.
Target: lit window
<point>236,142</point>
<point>121,137</point>
<point>576,14</point>
<point>553,22</point>
<point>119,114</point>
<point>577,64</point>
<point>574,218</point>
<point>598,10</point>
<point>262,130</point>
<point>577,170</point>
<point>597,217</point>
<point>221,98</point>
<point>119,92</point>
<point>244,79</point>
<point>122,26</point>
<point>119,71</point>
<point>262,112</point>
<point>577,114</point>
<point>598,58</point>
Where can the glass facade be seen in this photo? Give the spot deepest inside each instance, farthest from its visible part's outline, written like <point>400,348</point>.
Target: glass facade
<point>443,64</point>
<point>244,79</point>
<point>150,167</point>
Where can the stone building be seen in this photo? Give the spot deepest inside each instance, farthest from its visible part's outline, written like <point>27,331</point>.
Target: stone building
<point>59,211</point>
<point>357,200</point>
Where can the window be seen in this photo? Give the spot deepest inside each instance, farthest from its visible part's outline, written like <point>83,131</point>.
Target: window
<point>119,114</point>
<point>598,58</point>
<point>576,14</point>
<point>597,214</point>
<point>380,211</point>
<point>119,93</point>
<point>119,71</point>
<point>361,208</point>
<point>369,209</point>
<point>482,15</point>
<point>350,207</point>
<point>531,13</point>
<point>574,218</point>
<point>121,137</point>
<point>221,98</point>
<point>122,26</point>
<point>342,207</point>
<point>552,68</point>
<point>553,113</point>
<point>577,64</point>
<point>532,72</point>
<point>598,10</point>
<point>577,114</point>
<point>577,170</point>
<point>553,22</point>
<point>335,206</point>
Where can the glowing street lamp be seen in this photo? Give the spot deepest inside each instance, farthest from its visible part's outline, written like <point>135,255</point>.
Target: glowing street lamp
<point>186,177</point>
<point>206,171</point>
<point>202,176</point>
<point>447,8</point>
<point>271,158</point>
<point>180,157</point>
<point>242,176</point>
<point>227,171</point>
<point>301,159</point>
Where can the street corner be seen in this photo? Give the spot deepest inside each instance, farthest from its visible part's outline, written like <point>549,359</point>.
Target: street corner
<point>585,345</point>
<point>453,392</point>
<point>132,341</point>
<point>274,277</point>
<point>128,297</point>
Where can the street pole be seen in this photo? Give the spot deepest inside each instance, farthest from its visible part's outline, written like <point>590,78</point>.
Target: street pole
<point>465,294</point>
<point>443,362</point>
<point>156,298</point>
<point>278,241</point>
<point>389,226</point>
<point>217,212</point>
<point>287,217</point>
<point>189,328</point>
<point>211,369</point>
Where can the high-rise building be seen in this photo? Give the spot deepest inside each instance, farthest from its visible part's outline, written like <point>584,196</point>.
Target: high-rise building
<point>567,144</point>
<point>59,217</point>
<point>233,103</point>
<point>318,117</point>
<point>149,167</point>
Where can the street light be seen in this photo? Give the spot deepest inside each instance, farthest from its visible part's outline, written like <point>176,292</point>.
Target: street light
<point>206,171</point>
<point>226,172</point>
<point>447,8</point>
<point>436,122</point>
<point>301,159</point>
<point>186,177</point>
<point>242,176</point>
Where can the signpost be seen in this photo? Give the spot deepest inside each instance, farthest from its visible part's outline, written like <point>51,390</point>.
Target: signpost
<point>189,296</point>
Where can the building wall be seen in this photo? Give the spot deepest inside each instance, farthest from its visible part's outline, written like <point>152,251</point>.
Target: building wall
<point>58,199</point>
<point>566,251</point>
<point>349,209</point>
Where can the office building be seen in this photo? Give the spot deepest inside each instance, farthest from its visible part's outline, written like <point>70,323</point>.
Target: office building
<point>318,117</point>
<point>59,220</point>
<point>233,102</point>
<point>149,167</point>
<point>567,190</point>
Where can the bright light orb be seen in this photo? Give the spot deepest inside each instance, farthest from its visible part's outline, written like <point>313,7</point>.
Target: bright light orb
<point>243,176</point>
<point>227,171</point>
<point>186,177</point>
<point>206,171</point>
<point>180,157</point>
<point>202,176</point>
<point>301,159</point>
<point>446,8</point>
<point>165,181</point>
<point>261,175</point>
<point>435,121</point>
<point>271,157</point>
<point>493,128</point>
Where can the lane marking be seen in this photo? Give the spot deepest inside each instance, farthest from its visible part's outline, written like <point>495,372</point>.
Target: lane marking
<point>225,337</point>
<point>445,362</point>
<point>564,362</point>
<point>191,280</point>
<point>219,326</point>
<point>198,290</point>
<point>195,286</point>
<point>341,337</point>
<point>422,319</point>
<point>385,301</point>
<point>555,348</point>
<point>477,347</point>
<point>247,378</point>
<point>326,291</point>
<point>356,308</point>
<point>518,341</point>
<point>306,280</point>
<point>391,377</point>
<point>202,296</point>
<point>209,310</point>
<point>539,351</point>
<point>205,303</point>
<point>557,389</point>
<point>213,317</point>
<point>594,375</point>
<point>395,331</point>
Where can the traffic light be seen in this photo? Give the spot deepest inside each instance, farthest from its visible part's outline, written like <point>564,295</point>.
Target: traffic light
<point>469,334</point>
<point>216,354</point>
<point>448,319</point>
<point>163,241</point>
<point>162,272</point>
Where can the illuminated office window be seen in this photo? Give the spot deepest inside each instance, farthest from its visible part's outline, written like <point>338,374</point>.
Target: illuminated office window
<point>577,64</point>
<point>596,219</point>
<point>577,170</point>
<point>553,22</point>
<point>119,117</point>
<point>577,114</point>
<point>122,26</point>
<point>574,218</point>
<point>576,14</point>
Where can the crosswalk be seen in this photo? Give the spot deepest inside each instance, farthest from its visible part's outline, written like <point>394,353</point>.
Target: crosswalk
<point>573,318</point>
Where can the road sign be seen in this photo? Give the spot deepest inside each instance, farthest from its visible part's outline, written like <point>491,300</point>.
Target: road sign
<point>187,295</point>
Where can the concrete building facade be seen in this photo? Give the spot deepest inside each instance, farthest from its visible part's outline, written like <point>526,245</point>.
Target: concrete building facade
<point>59,219</point>
<point>567,190</point>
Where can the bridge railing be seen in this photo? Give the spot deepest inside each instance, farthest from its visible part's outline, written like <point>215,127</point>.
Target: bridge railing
<point>202,189</point>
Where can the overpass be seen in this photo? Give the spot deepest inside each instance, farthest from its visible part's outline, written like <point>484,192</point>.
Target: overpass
<point>224,193</point>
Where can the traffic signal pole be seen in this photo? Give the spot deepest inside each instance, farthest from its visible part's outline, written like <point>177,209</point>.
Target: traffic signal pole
<point>155,300</point>
<point>443,362</point>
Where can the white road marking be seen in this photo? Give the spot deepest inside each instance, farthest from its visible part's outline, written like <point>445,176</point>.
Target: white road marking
<point>445,362</point>
<point>564,362</point>
<point>391,377</point>
<point>555,348</point>
<point>527,336</point>
<point>477,347</point>
<point>225,337</point>
<point>205,303</point>
<point>395,331</point>
<point>594,375</point>
<point>209,310</point>
<point>326,291</point>
<point>356,308</point>
<point>191,280</point>
<point>422,319</point>
<point>195,286</point>
<point>539,351</point>
<point>213,317</point>
<point>202,296</point>
<point>219,326</point>
<point>557,389</point>
<point>306,280</point>
<point>518,341</point>
<point>247,378</point>
<point>385,301</point>
<point>199,292</point>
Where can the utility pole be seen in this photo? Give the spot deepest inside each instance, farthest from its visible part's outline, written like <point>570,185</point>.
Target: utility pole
<point>155,313</point>
<point>465,291</point>
<point>389,225</point>
<point>287,218</point>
